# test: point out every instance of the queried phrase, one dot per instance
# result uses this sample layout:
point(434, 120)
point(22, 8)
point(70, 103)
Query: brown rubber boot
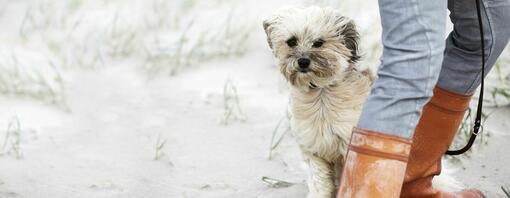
point(434, 133)
point(375, 165)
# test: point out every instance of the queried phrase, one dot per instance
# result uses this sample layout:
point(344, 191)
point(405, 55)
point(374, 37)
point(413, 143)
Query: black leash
point(478, 119)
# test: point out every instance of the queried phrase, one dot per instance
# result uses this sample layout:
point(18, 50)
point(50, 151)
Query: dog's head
point(312, 44)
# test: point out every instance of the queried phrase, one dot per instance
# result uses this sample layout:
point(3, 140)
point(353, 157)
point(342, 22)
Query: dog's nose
point(303, 63)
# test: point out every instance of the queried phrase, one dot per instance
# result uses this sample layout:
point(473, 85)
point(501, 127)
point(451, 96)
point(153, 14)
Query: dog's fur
point(326, 100)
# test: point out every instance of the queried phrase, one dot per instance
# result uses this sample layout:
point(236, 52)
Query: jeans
point(416, 57)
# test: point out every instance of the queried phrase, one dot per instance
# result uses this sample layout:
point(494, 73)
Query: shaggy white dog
point(317, 51)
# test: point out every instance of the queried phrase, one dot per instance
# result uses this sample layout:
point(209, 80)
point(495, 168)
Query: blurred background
point(179, 98)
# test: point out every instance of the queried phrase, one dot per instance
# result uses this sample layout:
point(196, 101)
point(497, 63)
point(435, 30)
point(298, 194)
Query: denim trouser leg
point(461, 68)
point(413, 39)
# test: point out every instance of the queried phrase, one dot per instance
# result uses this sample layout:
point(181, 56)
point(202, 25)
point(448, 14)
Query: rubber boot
point(375, 165)
point(434, 133)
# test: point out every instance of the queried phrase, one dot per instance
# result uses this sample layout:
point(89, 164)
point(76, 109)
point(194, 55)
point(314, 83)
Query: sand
point(104, 144)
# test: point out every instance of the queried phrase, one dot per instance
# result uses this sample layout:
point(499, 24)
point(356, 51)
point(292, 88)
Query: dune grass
point(276, 183)
point(507, 193)
point(158, 36)
point(12, 139)
point(279, 132)
point(28, 79)
point(231, 104)
point(158, 151)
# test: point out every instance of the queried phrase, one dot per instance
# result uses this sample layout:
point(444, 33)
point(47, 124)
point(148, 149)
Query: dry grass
point(157, 35)
point(28, 79)
point(194, 45)
point(507, 193)
point(280, 131)
point(276, 183)
point(500, 88)
point(160, 144)
point(12, 139)
point(231, 104)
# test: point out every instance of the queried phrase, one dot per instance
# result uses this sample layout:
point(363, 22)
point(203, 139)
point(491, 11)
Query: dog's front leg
point(320, 177)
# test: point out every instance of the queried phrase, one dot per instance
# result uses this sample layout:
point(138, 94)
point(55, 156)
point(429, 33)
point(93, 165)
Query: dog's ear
point(347, 31)
point(268, 28)
point(272, 23)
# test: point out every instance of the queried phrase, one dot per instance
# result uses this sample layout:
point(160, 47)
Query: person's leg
point(461, 68)
point(437, 126)
point(460, 76)
point(413, 39)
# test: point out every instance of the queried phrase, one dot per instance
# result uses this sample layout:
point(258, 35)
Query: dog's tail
point(446, 181)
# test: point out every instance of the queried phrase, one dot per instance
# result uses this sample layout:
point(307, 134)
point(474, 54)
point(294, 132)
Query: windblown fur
point(327, 97)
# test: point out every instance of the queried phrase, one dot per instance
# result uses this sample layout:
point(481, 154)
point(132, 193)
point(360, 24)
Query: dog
point(317, 52)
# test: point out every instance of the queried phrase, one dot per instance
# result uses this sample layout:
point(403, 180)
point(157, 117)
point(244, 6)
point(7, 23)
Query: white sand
point(105, 145)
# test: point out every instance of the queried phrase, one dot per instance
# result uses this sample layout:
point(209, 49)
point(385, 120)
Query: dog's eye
point(292, 42)
point(318, 43)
